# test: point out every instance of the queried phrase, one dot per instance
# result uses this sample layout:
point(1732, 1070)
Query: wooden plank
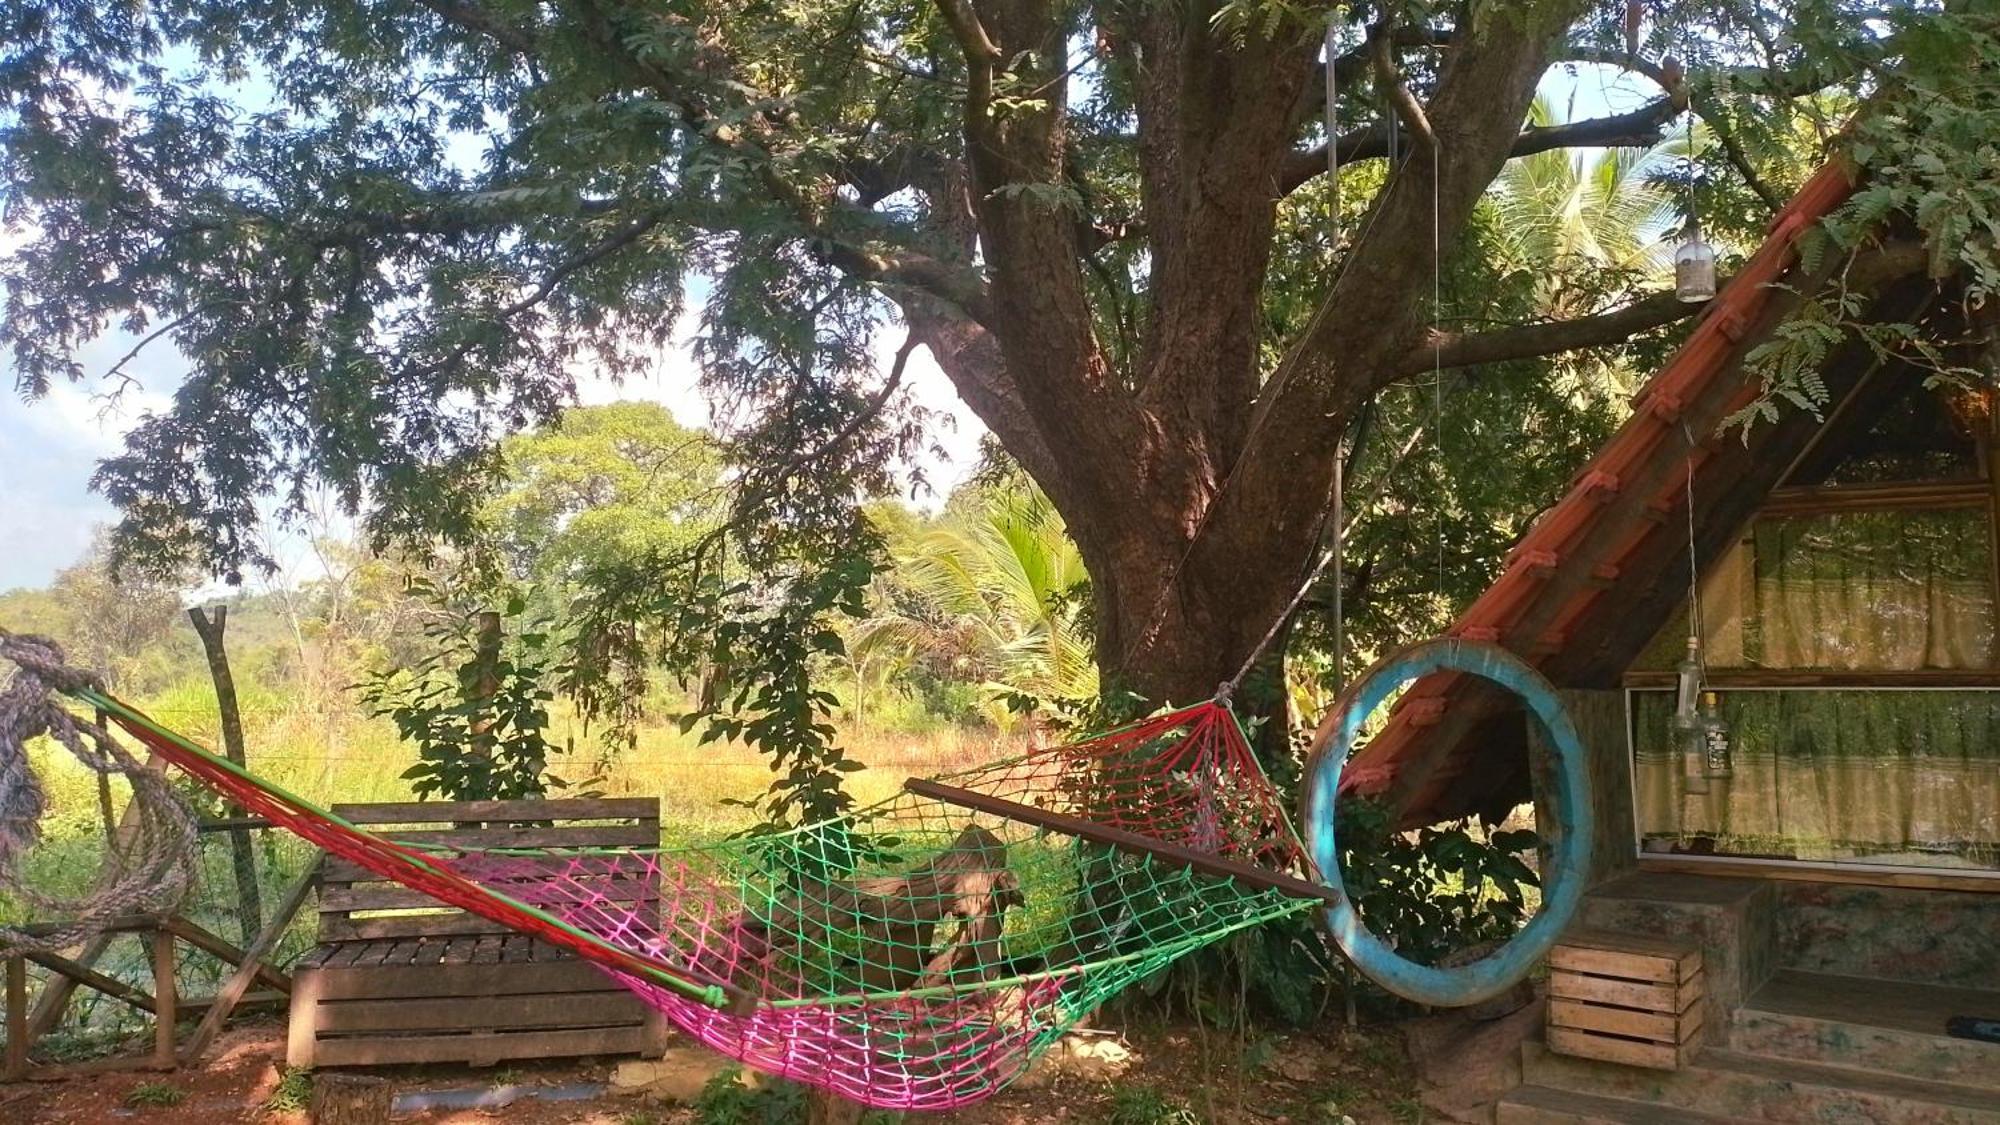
point(1647, 967)
point(1625, 994)
point(451, 812)
point(1975, 882)
point(607, 836)
point(394, 927)
point(610, 1007)
point(479, 1049)
point(1130, 842)
point(394, 896)
point(16, 1065)
point(459, 951)
point(623, 860)
point(234, 989)
point(574, 974)
point(1660, 1027)
point(165, 1009)
point(1609, 1048)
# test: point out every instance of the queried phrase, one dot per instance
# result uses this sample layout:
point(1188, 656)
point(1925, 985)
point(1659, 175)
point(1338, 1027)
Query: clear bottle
point(1688, 722)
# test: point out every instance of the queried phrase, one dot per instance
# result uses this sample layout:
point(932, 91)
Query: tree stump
point(349, 1099)
point(823, 1108)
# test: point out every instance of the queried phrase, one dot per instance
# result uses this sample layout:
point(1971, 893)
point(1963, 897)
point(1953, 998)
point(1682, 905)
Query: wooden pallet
point(1625, 999)
point(398, 978)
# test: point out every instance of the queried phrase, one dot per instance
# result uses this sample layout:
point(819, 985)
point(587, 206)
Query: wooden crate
point(1625, 999)
point(399, 978)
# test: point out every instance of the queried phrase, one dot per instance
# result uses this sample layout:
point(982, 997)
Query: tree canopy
point(386, 233)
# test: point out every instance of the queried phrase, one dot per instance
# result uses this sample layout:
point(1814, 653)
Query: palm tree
point(1586, 225)
point(991, 595)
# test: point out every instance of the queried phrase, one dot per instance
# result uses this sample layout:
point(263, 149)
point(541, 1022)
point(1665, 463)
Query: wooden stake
point(165, 1008)
point(249, 898)
point(16, 1066)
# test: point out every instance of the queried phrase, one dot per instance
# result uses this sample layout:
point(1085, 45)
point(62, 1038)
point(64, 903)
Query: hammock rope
point(148, 867)
point(916, 954)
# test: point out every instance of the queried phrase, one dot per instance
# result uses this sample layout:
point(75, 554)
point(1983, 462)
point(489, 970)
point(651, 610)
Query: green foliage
point(992, 594)
point(603, 483)
point(155, 1095)
point(726, 1100)
point(480, 724)
point(1141, 1104)
point(293, 1092)
point(1927, 139)
point(1438, 890)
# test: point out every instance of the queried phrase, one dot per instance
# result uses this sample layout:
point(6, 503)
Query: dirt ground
point(1133, 1075)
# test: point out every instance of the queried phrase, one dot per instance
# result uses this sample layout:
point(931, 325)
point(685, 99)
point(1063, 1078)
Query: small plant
point(155, 1095)
point(1148, 1105)
point(293, 1093)
point(725, 1100)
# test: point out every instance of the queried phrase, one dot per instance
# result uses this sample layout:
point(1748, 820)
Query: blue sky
point(48, 449)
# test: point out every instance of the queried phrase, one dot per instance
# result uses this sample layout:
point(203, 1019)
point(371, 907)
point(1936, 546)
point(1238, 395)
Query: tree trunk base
point(349, 1099)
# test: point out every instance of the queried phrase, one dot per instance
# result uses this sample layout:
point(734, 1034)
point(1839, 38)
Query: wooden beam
point(1124, 841)
point(16, 1066)
point(186, 930)
point(253, 957)
point(85, 975)
point(1853, 874)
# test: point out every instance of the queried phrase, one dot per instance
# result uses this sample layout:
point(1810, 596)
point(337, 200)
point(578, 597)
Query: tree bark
point(243, 859)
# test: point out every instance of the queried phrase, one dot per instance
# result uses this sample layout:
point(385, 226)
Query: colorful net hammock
point(917, 954)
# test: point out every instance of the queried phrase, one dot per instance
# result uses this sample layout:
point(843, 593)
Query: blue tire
point(1562, 885)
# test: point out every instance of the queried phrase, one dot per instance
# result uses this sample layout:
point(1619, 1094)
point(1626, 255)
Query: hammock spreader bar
point(1132, 842)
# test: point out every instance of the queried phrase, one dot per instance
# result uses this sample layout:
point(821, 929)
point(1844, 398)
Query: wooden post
point(16, 1066)
point(486, 651)
point(165, 1008)
point(249, 898)
point(349, 1099)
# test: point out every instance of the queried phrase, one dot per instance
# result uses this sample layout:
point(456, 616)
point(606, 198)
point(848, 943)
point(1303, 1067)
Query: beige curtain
point(1872, 591)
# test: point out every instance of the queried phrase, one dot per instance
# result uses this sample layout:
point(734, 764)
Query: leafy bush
point(480, 727)
point(1438, 889)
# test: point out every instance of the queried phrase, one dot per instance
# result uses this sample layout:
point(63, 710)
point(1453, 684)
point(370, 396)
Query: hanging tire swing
point(1562, 884)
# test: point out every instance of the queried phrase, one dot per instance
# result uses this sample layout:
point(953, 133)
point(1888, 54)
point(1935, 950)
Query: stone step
point(1890, 1027)
point(1543, 1105)
point(1744, 1087)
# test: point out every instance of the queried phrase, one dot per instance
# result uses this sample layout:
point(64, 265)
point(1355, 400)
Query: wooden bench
point(399, 978)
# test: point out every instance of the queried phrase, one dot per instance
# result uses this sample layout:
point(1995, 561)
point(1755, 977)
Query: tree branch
point(1871, 268)
point(1638, 128)
point(1405, 104)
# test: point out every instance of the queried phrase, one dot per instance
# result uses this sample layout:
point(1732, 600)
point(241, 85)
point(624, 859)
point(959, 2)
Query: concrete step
point(1543, 1105)
point(1888, 1027)
point(1744, 1087)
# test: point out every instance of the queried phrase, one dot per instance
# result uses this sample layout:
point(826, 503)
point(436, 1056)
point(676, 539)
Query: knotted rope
point(149, 864)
